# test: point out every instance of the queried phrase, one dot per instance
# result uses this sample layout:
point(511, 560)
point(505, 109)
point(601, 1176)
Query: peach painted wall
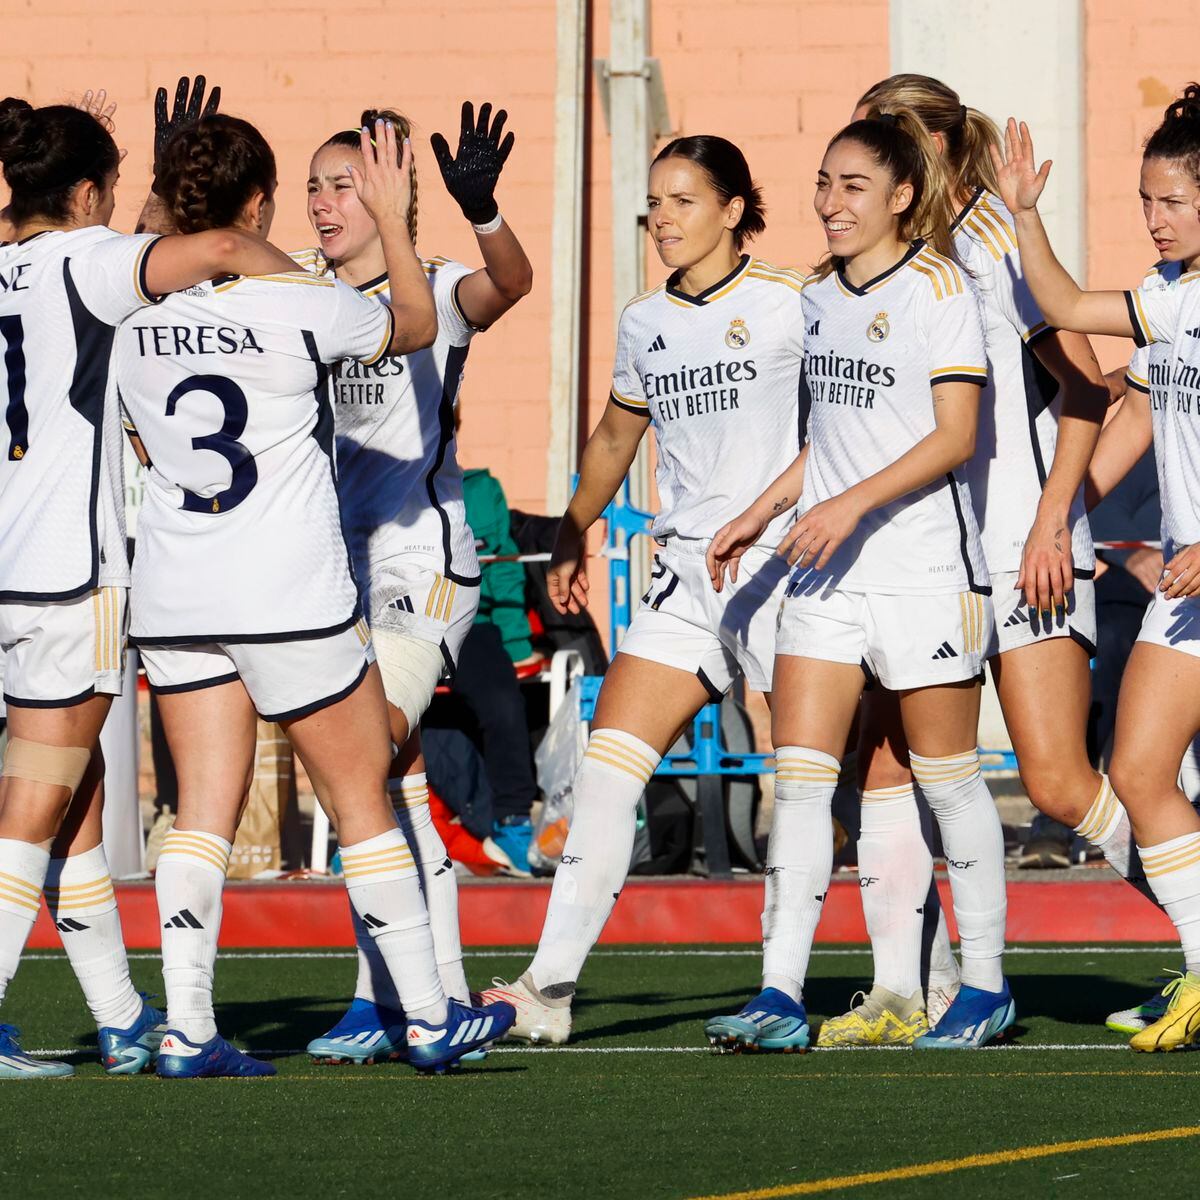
point(1137, 61)
point(776, 77)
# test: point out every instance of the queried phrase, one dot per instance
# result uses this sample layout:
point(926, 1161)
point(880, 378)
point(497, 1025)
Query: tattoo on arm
point(779, 504)
point(1058, 539)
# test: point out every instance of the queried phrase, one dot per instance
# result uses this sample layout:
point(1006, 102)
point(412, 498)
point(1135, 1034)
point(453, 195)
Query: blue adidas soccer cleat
point(367, 1033)
point(435, 1049)
point(772, 1021)
point(179, 1058)
point(16, 1064)
point(973, 1020)
point(132, 1051)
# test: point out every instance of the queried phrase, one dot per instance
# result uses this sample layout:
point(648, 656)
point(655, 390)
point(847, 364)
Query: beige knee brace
point(39, 763)
point(410, 668)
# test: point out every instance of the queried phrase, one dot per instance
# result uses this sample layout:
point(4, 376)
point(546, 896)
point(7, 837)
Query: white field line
point(818, 952)
point(271, 1052)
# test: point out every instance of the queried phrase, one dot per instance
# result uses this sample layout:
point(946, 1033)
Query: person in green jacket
point(485, 679)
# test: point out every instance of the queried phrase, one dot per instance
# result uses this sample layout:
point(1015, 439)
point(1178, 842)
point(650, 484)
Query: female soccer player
point(67, 282)
point(400, 488)
point(1040, 416)
point(711, 358)
point(890, 582)
point(243, 597)
point(1151, 736)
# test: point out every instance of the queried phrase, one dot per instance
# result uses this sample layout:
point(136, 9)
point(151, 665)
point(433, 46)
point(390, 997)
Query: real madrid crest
point(878, 328)
point(737, 336)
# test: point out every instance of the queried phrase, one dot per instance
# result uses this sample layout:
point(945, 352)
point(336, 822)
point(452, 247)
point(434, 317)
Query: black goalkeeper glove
point(186, 112)
point(471, 177)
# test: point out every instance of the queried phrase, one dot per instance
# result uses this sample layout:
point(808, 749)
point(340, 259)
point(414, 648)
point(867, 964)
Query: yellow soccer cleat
point(1180, 1024)
point(880, 1019)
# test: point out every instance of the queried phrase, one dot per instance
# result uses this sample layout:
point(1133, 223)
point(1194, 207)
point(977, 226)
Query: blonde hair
point(967, 132)
point(900, 143)
point(350, 139)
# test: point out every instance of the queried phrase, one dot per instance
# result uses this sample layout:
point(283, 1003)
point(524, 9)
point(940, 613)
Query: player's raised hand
point(566, 577)
point(384, 185)
point(95, 104)
point(1020, 180)
point(187, 110)
point(472, 174)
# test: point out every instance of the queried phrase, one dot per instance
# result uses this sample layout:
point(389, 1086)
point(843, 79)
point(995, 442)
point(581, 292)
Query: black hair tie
point(888, 118)
point(962, 114)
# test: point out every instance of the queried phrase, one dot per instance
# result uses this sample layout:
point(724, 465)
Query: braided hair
point(211, 169)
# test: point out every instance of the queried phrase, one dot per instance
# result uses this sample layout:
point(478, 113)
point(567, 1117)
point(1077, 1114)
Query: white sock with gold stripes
point(1106, 826)
point(410, 795)
point(22, 872)
point(82, 904)
point(895, 869)
point(595, 860)
point(799, 864)
point(188, 883)
point(1173, 871)
point(973, 840)
point(385, 890)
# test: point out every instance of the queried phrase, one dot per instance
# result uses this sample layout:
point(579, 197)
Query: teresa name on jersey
point(164, 340)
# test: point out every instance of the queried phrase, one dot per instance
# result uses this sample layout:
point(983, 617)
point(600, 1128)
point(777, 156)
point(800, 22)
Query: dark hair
point(1178, 136)
point(210, 169)
point(728, 172)
point(46, 152)
point(899, 143)
point(968, 134)
point(351, 139)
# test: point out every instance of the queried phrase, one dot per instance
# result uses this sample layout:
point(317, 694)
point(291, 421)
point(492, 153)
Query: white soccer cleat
point(541, 1019)
point(938, 999)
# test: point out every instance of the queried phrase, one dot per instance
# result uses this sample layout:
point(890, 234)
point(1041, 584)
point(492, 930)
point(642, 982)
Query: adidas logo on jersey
point(1018, 617)
point(814, 330)
point(183, 919)
point(657, 344)
point(1194, 332)
point(69, 925)
point(945, 650)
point(372, 922)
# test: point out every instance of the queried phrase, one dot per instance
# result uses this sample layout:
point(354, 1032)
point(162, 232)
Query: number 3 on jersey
point(15, 413)
point(243, 471)
point(663, 581)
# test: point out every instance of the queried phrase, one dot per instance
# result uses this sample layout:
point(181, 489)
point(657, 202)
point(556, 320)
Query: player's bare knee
point(1061, 790)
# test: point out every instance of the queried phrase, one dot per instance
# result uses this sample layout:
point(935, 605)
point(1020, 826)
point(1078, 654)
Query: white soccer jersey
point(398, 475)
point(1020, 405)
point(718, 375)
point(62, 507)
point(1165, 312)
point(872, 355)
point(227, 384)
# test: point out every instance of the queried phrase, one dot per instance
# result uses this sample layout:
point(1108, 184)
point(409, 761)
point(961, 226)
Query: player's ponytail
point(1178, 137)
point(966, 133)
point(210, 170)
point(902, 146)
point(46, 153)
point(351, 140)
point(729, 173)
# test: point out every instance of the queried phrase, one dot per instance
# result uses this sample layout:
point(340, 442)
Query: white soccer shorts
point(285, 680)
point(61, 653)
point(1172, 623)
point(1019, 625)
point(904, 641)
point(422, 603)
point(682, 623)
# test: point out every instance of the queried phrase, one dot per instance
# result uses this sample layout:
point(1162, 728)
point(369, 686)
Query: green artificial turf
point(628, 1121)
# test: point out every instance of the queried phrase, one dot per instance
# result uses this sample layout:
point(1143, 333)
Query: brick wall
point(1137, 62)
point(777, 78)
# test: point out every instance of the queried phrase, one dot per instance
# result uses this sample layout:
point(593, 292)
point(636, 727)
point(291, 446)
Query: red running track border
point(501, 913)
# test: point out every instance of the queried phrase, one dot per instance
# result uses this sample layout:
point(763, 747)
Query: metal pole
point(629, 126)
point(566, 240)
